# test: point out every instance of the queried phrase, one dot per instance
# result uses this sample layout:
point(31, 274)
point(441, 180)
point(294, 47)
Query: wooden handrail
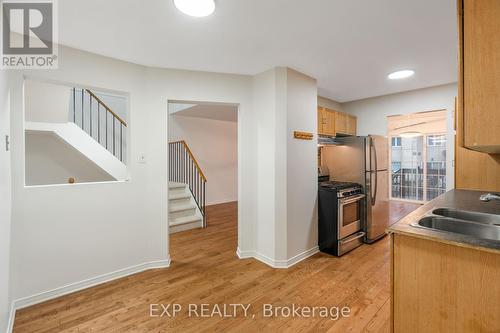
point(193, 158)
point(106, 107)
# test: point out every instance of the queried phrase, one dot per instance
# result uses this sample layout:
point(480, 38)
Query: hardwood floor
point(399, 209)
point(205, 269)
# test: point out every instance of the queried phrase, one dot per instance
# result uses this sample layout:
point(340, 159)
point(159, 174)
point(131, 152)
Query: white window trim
point(424, 159)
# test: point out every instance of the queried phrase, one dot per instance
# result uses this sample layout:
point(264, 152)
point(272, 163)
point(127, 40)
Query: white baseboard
point(220, 202)
point(74, 287)
point(277, 263)
point(244, 254)
point(301, 256)
point(12, 317)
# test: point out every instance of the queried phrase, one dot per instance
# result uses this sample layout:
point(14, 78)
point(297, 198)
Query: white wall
point(264, 94)
point(50, 160)
point(5, 203)
point(302, 174)
point(214, 144)
point(122, 224)
point(116, 103)
point(372, 114)
point(329, 103)
point(286, 101)
point(46, 102)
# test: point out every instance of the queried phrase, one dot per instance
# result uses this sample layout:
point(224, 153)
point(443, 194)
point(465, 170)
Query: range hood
point(328, 141)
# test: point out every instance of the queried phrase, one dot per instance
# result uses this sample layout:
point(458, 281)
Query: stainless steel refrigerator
point(363, 160)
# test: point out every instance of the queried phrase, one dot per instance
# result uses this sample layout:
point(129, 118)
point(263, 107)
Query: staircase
point(184, 213)
point(187, 185)
point(95, 118)
point(89, 127)
point(74, 137)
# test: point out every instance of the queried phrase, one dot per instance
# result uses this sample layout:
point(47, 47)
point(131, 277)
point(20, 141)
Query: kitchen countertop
point(456, 199)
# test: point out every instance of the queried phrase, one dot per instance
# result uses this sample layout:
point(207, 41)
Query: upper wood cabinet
point(479, 21)
point(352, 123)
point(326, 122)
point(341, 122)
point(345, 123)
point(477, 114)
point(332, 122)
point(320, 120)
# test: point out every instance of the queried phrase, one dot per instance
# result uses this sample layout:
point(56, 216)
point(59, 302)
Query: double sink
point(477, 225)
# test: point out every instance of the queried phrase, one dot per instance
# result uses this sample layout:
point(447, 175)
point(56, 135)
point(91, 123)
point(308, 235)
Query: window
point(418, 171)
point(396, 142)
point(436, 140)
point(436, 166)
point(407, 169)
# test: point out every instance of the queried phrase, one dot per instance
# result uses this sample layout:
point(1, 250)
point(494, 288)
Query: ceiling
point(348, 45)
point(224, 112)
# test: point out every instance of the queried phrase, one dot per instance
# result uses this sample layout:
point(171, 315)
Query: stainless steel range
point(341, 217)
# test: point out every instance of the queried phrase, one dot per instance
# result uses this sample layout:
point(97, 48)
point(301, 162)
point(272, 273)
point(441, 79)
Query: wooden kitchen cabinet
point(341, 122)
point(480, 80)
point(331, 122)
point(345, 123)
point(439, 287)
point(351, 124)
point(326, 122)
point(477, 114)
point(320, 120)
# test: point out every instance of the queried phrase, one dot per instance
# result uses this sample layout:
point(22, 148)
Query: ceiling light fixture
point(401, 74)
point(196, 8)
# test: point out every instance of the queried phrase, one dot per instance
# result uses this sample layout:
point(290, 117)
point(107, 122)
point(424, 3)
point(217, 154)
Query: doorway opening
point(202, 168)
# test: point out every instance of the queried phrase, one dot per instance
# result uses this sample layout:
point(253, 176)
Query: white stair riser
point(189, 217)
point(176, 185)
point(185, 220)
point(181, 201)
point(182, 213)
point(179, 195)
point(184, 227)
point(176, 191)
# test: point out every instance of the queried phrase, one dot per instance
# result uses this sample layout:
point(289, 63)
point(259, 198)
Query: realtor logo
point(29, 34)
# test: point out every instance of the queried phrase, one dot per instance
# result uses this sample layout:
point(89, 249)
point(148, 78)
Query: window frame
point(424, 159)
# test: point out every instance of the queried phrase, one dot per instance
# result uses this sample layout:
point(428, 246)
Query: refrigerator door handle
point(375, 186)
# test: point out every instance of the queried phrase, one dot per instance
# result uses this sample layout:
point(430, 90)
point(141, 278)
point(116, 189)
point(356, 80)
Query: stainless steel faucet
point(489, 197)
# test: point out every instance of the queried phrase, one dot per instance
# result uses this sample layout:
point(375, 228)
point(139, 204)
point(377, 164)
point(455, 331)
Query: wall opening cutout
point(74, 134)
point(203, 165)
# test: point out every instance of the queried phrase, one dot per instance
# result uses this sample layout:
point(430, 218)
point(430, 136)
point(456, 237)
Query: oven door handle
point(345, 201)
point(352, 238)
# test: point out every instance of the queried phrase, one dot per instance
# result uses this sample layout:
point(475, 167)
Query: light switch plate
point(142, 158)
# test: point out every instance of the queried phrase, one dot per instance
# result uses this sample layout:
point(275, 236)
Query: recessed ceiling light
point(401, 74)
point(196, 8)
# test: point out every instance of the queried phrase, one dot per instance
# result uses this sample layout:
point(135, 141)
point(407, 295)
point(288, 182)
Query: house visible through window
point(436, 166)
point(407, 169)
point(396, 142)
